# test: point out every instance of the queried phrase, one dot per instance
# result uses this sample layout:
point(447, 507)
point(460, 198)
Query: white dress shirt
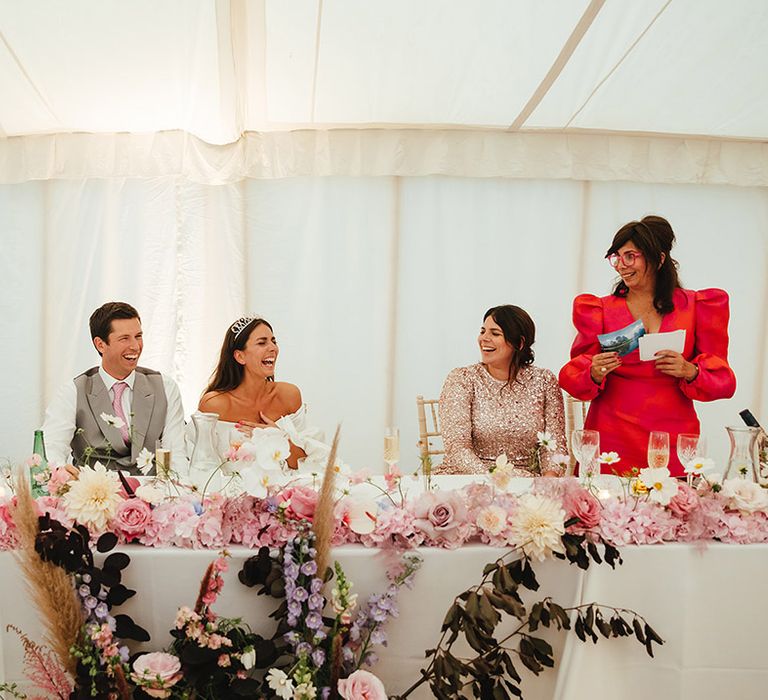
point(59, 426)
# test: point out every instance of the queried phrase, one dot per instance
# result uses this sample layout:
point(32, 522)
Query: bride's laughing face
point(260, 352)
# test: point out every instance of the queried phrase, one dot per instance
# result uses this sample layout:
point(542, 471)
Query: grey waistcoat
point(147, 420)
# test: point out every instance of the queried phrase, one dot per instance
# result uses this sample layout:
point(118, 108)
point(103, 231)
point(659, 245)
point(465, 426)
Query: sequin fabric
point(482, 418)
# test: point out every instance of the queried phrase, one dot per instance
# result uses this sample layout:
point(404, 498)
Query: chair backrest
point(575, 415)
point(429, 428)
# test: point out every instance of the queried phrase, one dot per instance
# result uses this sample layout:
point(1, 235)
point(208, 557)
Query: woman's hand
point(603, 364)
point(675, 365)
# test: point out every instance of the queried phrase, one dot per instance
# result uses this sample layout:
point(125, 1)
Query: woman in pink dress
point(630, 398)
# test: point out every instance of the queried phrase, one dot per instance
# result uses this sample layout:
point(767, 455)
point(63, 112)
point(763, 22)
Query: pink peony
point(156, 673)
point(442, 517)
point(581, 504)
point(300, 502)
point(362, 685)
point(131, 519)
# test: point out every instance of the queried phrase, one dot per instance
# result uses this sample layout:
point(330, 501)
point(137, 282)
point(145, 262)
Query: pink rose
point(300, 501)
point(439, 515)
point(156, 673)
point(132, 518)
point(581, 504)
point(684, 502)
point(362, 685)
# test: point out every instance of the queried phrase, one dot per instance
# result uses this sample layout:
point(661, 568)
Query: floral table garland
point(559, 517)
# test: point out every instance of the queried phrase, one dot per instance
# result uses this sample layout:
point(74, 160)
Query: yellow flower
point(93, 497)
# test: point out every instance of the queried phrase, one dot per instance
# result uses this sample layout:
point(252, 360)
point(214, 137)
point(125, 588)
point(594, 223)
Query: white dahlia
point(93, 497)
point(537, 526)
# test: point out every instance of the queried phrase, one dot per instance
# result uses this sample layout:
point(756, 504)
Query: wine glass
point(658, 449)
point(687, 447)
point(585, 445)
point(391, 447)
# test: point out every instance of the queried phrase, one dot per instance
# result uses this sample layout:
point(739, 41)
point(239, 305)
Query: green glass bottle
point(38, 449)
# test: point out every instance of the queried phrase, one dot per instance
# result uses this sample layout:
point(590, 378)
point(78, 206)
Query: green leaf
point(638, 631)
point(651, 633)
point(579, 629)
point(489, 617)
point(450, 617)
point(489, 567)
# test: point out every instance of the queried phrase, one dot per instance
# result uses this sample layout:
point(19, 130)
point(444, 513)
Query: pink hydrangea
point(173, 524)
point(394, 529)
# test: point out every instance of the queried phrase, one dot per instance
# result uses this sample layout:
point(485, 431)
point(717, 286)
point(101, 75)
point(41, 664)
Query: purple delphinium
point(304, 600)
point(366, 629)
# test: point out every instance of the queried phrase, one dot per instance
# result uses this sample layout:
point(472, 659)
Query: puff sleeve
point(575, 376)
point(715, 379)
point(456, 424)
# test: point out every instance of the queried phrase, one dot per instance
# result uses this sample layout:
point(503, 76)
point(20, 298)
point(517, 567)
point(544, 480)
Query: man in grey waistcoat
point(112, 412)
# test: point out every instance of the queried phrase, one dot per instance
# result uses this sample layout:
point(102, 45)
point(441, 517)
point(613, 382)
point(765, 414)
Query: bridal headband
point(242, 323)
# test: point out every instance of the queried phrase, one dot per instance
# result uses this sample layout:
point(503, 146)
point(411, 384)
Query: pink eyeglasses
point(627, 258)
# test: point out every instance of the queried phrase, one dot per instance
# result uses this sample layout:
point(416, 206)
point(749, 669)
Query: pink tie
point(117, 404)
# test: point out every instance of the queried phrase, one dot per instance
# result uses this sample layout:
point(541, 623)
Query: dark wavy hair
point(519, 331)
point(654, 238)
point(229, 372)
point(100, 322)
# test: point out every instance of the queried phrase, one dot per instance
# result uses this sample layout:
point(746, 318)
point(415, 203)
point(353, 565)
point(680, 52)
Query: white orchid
point(114, 421)
point(360, 513)
point(272, 449)
point(660, 484)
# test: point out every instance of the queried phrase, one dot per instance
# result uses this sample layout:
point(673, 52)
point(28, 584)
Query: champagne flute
point(687, 447)
point(658, 449)
point(391, 447)
point(585, 445)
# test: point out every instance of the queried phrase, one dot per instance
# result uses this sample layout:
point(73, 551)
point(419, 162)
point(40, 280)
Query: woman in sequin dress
point(631, 397)
point(500, 404)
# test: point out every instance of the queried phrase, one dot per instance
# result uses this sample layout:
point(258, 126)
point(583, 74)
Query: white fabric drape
point(375, 286)
point(386, 152)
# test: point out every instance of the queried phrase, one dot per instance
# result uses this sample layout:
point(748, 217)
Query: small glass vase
point(205, 457)
point(742, 461)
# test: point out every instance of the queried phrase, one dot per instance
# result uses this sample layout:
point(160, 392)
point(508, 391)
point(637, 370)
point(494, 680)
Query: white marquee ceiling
point(219, 69)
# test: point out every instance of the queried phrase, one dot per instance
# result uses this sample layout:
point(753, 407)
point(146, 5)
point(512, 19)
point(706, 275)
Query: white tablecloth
point(707, 603)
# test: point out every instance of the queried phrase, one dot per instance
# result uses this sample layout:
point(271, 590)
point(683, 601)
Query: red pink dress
point(636, 398)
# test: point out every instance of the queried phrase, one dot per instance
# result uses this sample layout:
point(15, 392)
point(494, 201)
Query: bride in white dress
point(246, 397)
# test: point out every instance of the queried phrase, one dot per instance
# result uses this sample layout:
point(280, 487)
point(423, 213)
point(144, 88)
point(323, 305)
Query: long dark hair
point(654, 237)
point(519, 331)
point(229, 372)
